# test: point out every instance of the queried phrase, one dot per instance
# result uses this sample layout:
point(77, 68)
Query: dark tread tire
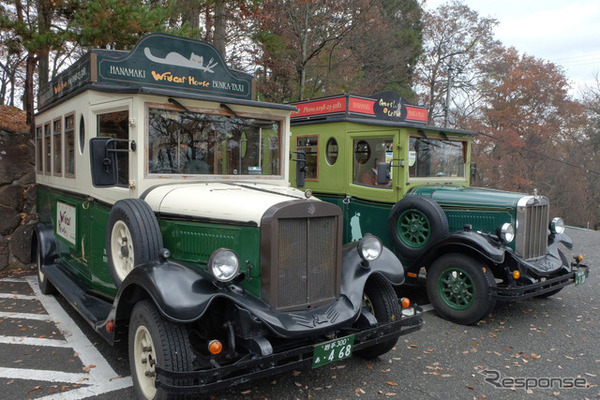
point(414, 224)
point(458, 287)
point(170, 345)
point(46, 287)
point(134, 219)
point(383, 303)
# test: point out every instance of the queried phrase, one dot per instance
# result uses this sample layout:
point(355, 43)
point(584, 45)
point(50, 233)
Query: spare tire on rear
point(415, 223)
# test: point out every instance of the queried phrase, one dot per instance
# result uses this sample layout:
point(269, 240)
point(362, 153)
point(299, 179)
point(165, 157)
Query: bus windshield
point(193, 143)
point(431, 157)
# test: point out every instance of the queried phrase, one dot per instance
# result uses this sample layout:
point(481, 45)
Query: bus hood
point(462, 197)
point(226, 202)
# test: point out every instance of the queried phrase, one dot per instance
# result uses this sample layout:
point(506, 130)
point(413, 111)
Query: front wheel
point(381, 300)
point(154, 340)
point(459, 288)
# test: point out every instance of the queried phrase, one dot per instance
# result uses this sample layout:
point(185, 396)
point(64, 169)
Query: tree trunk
point(30, 64)
point(220, 38)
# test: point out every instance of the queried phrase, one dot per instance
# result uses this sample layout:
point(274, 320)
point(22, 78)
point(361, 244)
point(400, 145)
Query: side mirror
point(384, 173)
point(103, 161)
point(473, 171)
point(300, 168)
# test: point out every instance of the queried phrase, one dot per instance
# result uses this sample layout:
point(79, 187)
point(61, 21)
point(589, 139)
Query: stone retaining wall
point(17, 190)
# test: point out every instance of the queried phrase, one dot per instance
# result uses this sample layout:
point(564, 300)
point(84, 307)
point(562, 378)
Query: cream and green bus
point(167, 220)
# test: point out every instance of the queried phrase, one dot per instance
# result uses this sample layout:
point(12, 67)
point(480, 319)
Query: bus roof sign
point(159, 61)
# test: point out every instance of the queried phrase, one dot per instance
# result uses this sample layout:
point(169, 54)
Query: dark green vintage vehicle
point(167, 220)
point(408, 183)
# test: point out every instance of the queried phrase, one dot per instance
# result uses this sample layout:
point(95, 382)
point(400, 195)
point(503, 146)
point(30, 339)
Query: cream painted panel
point(219, 200)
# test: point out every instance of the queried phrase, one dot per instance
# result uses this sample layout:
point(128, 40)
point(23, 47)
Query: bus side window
point(116, 125)
point(310, 146)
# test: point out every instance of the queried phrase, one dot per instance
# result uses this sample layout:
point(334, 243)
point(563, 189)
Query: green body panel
point(85, 254)
point(194, 242)
point(362, 217)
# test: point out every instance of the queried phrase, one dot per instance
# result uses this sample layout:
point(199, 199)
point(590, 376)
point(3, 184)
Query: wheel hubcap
point(122, 249)
point(456, 289)
point(413, 228)
point(145, 360)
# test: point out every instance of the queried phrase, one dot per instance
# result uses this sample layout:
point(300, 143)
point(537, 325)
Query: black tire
point(132, 237)
point(415, 223)
point(458, 287)
point(381, 300)
point(156, 340)
point(46, 287)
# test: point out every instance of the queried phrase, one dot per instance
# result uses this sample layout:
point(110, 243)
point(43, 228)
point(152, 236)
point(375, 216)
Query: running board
point(92, 308)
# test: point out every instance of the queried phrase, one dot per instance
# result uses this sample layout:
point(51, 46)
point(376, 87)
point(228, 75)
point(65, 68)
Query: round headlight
point(557, 225)
point(369, 247)
point(224, 264)
point(507, 233)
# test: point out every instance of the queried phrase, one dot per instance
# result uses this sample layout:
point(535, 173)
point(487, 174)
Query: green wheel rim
point(413, 228)
point(456, 288)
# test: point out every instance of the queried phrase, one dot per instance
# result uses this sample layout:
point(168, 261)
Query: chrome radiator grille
point(306, 261)
point(533, 217)
point(301, 267)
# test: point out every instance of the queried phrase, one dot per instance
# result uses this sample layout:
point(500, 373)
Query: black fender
point(43, 236)
point(355, 275)
point(562, 238)
point(466, 241)
point(183, 294)
point(554, 263)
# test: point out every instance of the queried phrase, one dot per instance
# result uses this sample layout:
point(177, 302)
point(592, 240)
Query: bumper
point(256, 366)
point(576, 276)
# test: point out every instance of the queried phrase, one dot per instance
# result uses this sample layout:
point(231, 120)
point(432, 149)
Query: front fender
point(355, 276)
point(182, 294)
point(464, 242)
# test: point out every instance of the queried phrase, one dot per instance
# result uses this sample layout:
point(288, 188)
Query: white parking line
point(101, 377)
point(45, 375)
point(37, 317)
point(33, 341)
point(16, 296)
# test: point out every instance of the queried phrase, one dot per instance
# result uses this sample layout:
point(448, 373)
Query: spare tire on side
point(415, 223)
point(132, 237)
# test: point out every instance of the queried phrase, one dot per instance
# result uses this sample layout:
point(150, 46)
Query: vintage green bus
point(167, 220)
point(409, 184)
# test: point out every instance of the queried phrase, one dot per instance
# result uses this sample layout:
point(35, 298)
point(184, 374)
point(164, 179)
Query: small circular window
point(81, 134)
point(362, 153)
point(331, 151)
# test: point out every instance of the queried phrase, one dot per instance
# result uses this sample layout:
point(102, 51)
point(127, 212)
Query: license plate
point(334, 350)
point(579, 277)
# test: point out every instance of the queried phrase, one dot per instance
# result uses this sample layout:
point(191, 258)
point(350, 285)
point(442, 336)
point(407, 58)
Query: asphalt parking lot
point(540, 348)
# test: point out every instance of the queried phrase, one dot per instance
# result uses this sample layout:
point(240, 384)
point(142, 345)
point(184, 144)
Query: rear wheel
point(458, 287)
point(154, 340)
point(381, 300)
point(46, 287)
